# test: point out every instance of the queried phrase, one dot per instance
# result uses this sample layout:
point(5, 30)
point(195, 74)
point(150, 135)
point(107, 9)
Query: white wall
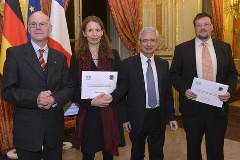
point(188, 9)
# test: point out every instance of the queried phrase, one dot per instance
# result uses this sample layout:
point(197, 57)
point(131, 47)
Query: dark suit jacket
point(23, 80)
point(131, 82)
point(183, 70)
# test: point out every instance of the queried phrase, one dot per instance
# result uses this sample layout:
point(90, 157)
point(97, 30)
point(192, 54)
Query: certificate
point(96, 82)
point(208, 91)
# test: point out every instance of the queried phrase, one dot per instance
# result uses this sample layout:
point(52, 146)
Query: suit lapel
point(32, 59)
point(139, 71)
point(219, 54)
point(159, 69)
point(52, 63)
point(192, 53)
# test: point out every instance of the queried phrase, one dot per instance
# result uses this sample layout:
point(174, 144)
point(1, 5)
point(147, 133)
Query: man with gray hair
point(144, 80)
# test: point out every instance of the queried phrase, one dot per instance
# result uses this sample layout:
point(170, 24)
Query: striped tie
point(41, 60)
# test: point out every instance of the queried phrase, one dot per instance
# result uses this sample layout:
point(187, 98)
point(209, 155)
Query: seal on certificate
point(220, 88)
point(111, 77)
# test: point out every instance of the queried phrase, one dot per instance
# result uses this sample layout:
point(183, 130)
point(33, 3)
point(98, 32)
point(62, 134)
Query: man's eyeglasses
point(206, 25)
point(41, 25)
point(145, 41)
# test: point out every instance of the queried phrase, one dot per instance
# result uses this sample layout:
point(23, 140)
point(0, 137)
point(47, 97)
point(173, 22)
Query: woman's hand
point(102, 100)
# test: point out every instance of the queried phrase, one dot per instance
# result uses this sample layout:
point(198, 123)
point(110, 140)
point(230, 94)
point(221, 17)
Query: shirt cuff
point(54, 105)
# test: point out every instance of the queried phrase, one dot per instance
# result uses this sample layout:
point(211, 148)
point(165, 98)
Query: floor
point(175, 143)
point(174, 149)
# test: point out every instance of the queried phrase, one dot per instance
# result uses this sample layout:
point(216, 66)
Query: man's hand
point(45, 100)
point(173, 125)
point(50, 103)
point(127, 127)
point(190, 94)
point(224, 97)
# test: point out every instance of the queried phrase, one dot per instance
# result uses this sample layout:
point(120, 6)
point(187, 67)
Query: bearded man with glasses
point(211, 60)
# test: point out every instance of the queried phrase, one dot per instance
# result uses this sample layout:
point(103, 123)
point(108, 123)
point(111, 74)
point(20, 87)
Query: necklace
point(94, 54)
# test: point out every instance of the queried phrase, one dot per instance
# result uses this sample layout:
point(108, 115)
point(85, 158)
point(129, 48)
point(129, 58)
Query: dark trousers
point(46, 154)
point(106, 156)
point(154, 133)
point(214, 127)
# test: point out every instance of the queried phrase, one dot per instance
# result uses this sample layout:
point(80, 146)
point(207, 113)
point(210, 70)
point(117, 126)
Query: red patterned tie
point(207, 66)
point(41, 60)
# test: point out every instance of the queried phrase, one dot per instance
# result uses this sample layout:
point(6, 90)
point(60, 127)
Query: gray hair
point(148, 30)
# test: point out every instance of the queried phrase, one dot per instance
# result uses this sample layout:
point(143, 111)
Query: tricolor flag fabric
point(13, 32)
point(59, 38)
point(33, 6)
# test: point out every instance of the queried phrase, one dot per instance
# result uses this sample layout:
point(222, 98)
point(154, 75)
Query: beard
point(203, 36)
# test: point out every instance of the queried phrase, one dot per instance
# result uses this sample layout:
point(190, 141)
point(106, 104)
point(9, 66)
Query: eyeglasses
point(145, 41)
point(34, 25)
point(206, 25)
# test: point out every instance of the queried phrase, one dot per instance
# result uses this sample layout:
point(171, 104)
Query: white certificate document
point(208, 91)
point(96, 82)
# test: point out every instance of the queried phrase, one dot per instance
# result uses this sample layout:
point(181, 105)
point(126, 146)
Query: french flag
point(59, 38)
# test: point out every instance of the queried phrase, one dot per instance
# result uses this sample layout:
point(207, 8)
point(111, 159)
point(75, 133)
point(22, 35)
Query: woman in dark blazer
point(97, 127)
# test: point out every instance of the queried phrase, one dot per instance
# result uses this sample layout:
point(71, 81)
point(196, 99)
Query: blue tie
point(152, 100)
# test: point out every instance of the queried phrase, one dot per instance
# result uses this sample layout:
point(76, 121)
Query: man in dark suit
point(142, 119)
point(38, 93)
point(199, 118)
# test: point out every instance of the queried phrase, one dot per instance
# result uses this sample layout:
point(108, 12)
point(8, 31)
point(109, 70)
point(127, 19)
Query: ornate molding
point(2, 8)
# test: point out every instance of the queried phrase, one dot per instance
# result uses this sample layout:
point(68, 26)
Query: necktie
point(41, 60)
point(207, 67)
point(152, 100)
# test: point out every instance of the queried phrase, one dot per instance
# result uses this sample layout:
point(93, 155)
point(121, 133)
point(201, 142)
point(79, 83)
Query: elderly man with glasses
point(36, 81)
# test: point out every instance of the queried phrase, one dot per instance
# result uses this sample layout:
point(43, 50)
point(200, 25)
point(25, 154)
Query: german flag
point(13, 32)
